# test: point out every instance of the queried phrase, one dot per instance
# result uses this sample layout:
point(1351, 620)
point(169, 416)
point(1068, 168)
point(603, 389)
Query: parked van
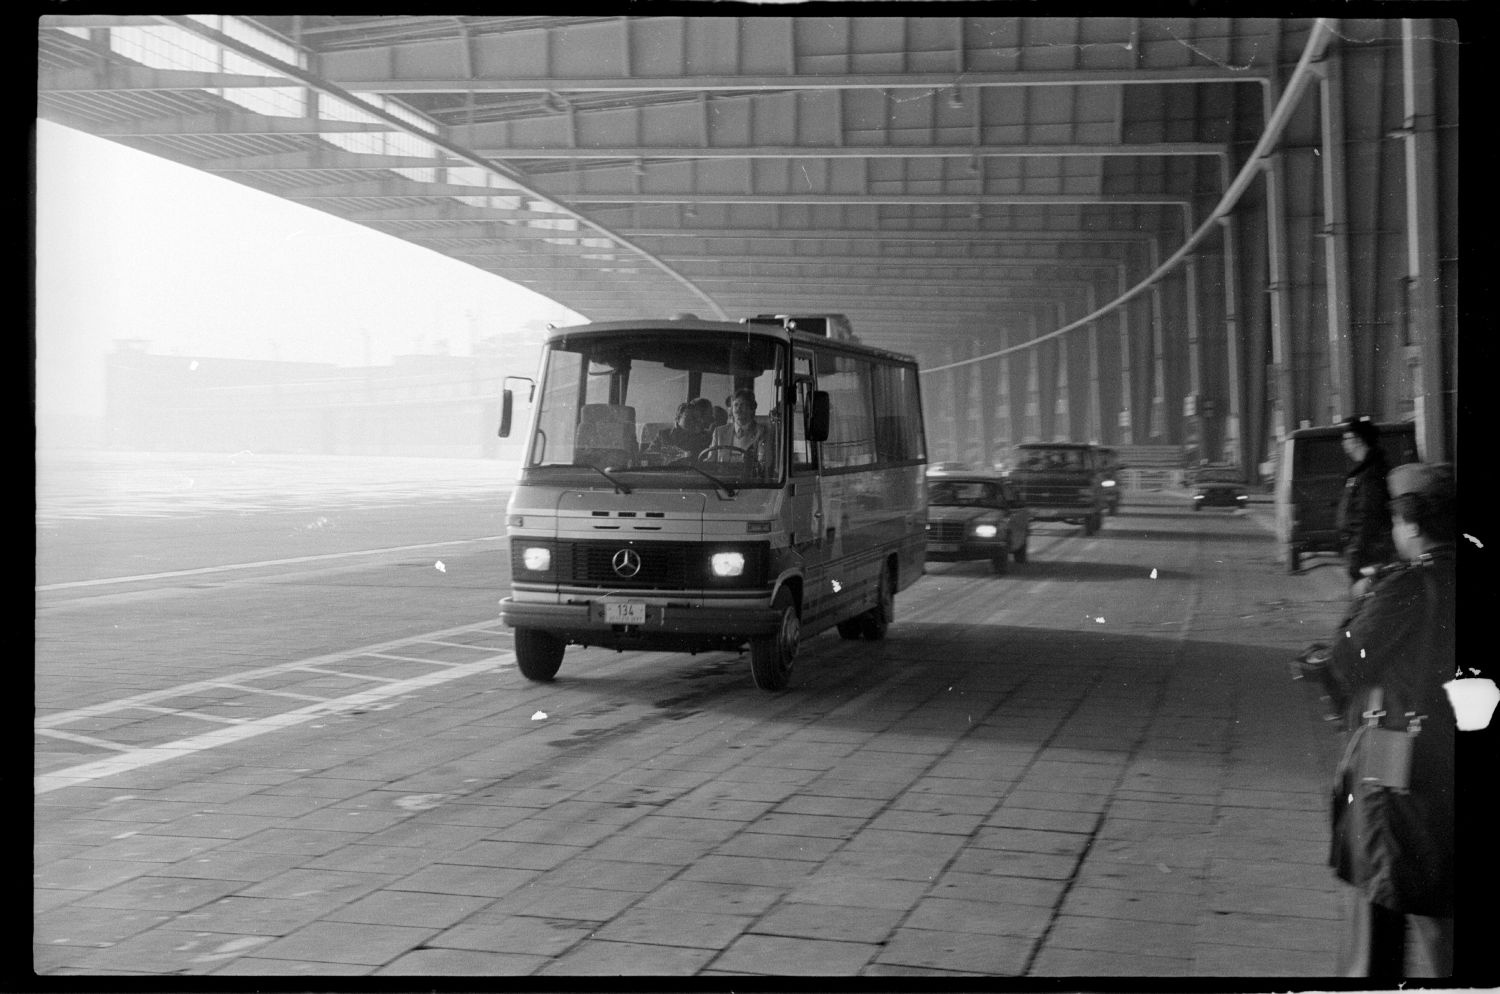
point(1310, 483)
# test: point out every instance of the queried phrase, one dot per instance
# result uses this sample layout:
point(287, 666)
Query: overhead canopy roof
point(916, 173)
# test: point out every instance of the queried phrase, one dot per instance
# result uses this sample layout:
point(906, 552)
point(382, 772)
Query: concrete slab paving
point(1002, 788)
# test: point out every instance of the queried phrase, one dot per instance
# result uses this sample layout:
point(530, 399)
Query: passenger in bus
point(689, 436)
point(743, 439)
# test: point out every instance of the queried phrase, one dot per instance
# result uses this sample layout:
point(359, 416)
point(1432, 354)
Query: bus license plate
point(625, 613)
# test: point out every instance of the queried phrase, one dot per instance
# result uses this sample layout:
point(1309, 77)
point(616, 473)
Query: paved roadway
point(279, 731)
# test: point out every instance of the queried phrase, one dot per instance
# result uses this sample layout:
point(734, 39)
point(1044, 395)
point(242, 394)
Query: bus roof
point(689, 322)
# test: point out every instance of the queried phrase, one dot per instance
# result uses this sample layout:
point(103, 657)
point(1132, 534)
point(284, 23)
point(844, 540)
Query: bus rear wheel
point(874, 623)
point(538, 654)
point(771, 656)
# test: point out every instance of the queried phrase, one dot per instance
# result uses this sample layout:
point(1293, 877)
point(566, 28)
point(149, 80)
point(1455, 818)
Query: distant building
point(420, 405)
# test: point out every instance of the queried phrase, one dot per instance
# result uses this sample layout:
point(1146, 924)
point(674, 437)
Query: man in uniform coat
point(1393, 794)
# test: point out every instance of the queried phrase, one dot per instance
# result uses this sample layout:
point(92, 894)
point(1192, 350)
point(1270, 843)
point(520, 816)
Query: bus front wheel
point(771, 656)
point(538, 654)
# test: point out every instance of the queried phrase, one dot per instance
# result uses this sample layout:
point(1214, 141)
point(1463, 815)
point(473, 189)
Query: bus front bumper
point(585, 622)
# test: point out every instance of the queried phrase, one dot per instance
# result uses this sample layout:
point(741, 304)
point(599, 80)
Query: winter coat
point(1364, 518)
point(1397, 846)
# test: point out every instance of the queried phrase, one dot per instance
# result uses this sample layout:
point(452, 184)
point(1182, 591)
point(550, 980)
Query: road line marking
point(351, 676)
point(415, 659)
point(75, 584)
point(84, 739)
point(273, 693)
point(190, 714)
point(460, 645)
point(134, 759)
point(187, 689)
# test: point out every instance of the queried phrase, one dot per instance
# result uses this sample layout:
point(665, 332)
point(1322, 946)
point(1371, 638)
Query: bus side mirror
point(817, 419)
point(507, 405)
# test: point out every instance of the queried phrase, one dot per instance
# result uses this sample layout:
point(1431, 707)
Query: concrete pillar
point(1157, 432)
point(1234, 449)
point(1340, 400)
point(1422, 222)
point(1128, 416)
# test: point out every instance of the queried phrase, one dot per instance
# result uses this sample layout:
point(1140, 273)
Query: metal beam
point(864, 199)
point(929, 151)
point(846, 81)
point(116, 78)
point(235, 123)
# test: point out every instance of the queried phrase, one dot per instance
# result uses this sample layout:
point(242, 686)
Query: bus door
point(805, 491)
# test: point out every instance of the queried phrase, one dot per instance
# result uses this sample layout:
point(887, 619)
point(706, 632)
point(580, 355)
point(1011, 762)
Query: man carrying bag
point(1393, 807)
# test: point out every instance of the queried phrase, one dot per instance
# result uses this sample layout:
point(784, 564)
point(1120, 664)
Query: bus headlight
point(986, 531)
point(727, 563)
point(538, 559)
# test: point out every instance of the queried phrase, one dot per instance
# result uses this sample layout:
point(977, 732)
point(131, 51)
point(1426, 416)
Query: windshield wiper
point(620, 488)
point(674, 467)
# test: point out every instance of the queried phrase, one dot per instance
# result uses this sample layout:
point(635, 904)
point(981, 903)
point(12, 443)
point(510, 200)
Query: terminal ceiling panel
point(920, 174)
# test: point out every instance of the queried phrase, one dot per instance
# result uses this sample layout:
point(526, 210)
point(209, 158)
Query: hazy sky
point(133, 246)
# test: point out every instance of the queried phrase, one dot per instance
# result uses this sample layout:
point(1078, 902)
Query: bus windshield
point(658, 406)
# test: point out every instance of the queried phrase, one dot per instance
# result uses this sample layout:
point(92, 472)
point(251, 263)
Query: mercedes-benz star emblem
point(627, 563)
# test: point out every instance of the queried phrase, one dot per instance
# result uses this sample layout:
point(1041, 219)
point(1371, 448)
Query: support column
point(1062, 403)
point(1194, 346)
point(1340, 401)
point(1158, 429)
point(1422, 222)
point(1283, 413)
point(949, 406)
point(1093, 428)
point(1128, 414)
point(1034, 422)
point(984, 373)
point(1234, 450)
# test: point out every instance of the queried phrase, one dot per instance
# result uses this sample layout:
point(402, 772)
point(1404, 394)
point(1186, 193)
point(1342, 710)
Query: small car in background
point(975, 515)
point(1219, 487)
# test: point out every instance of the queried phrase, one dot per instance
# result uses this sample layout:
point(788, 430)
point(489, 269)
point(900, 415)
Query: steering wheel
point(715, 448)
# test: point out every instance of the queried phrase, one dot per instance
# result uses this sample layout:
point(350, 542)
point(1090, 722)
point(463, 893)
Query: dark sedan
point(1219, 488)
point(975, 516)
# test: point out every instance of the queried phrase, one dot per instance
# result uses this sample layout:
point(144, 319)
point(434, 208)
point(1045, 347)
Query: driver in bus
point(743, 439)
point(689, 436)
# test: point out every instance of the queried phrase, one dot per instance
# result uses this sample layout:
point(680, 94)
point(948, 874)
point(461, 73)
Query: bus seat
point(606, 435)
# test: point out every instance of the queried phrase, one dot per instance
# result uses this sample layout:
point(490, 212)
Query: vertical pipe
point(1035, 421)
point(950, 406)
point(1234, 450)
point(1422, 235)
point(984, 373)
point(1094, 430)
point(1195, 351)
point(1158, 427)
point(1129, 416)
point(1336, 237)
point(1283, 411)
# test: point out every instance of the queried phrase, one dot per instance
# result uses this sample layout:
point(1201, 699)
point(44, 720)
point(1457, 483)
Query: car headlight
point(1197, 496)
point(1241, 497)
point(1109, 483)
point(986, 531)
point(538, 559)
point(727, 563)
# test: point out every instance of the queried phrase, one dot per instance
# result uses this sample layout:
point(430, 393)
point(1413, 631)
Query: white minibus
point(622, 540)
